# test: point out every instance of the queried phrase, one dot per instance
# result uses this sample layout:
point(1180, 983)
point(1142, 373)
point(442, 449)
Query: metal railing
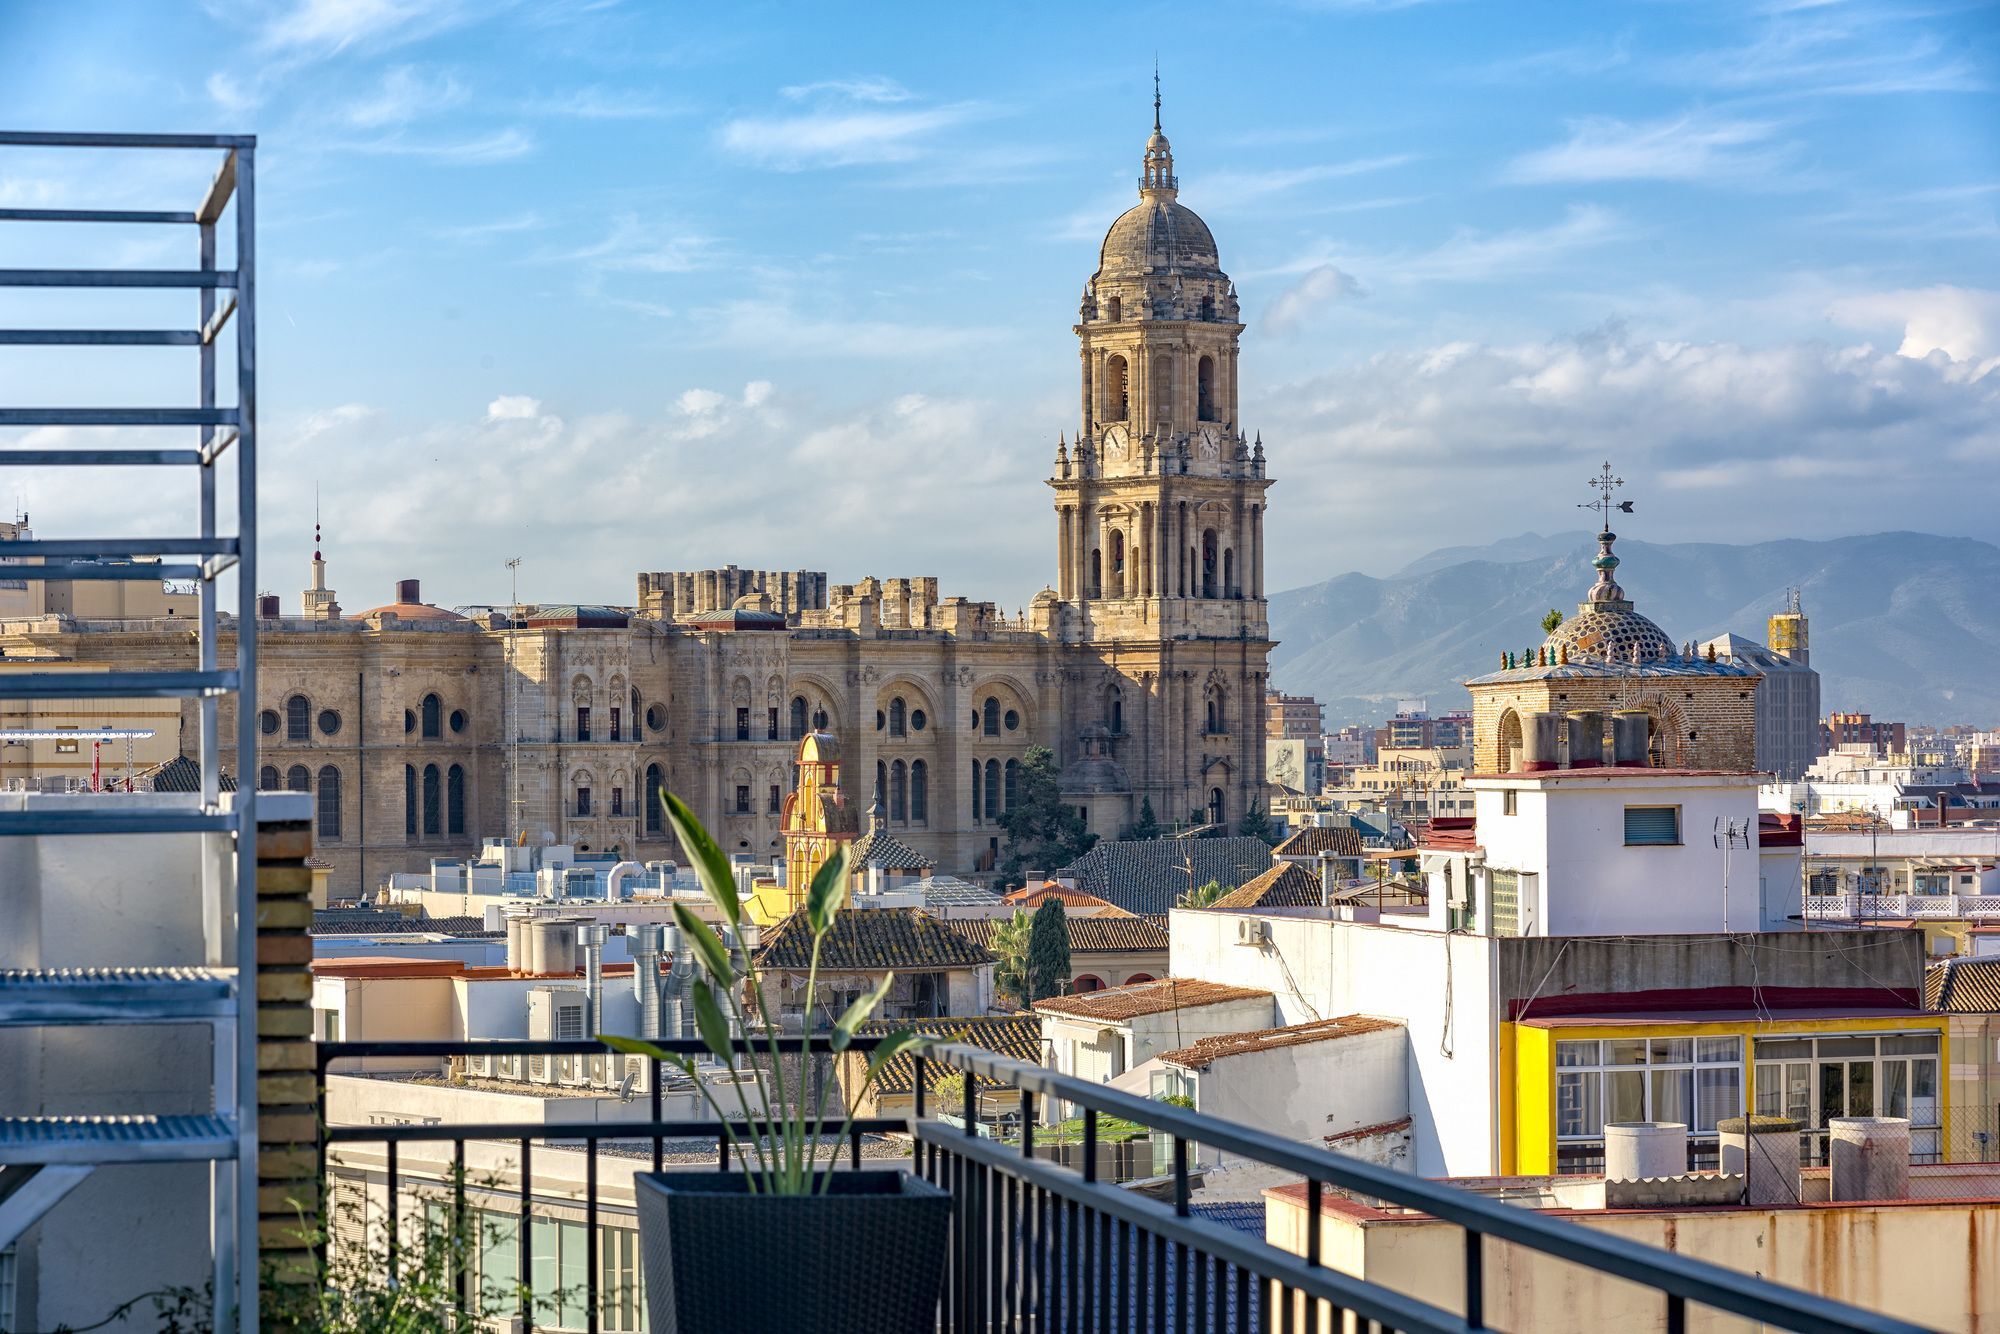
point(1857, 907)
point(1037, 1245)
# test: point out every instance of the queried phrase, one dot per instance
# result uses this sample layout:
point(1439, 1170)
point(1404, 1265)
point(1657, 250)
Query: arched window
point(454, 800)
point(1114, 711)
point(433, 802)
point(1208, 307)
point(990, 714)
point(975, 790)
point(1214, 721)
point(899, 793)
point(1116, 390)
point(267, 779)
point(1216, 811)
point(329, 802)
point(298, 719)
point(1013, 781)
point(1117, 563)
point(798, 717)
point(1204, 389)
point(1208, 561)
point(992, 789)
point(920, 797)
point(1086, 982)
point(881, 782)
point(1162, 388)
point(1115, 309)
point(297, 779)
point(656, 787)
point(409, 801)
point(1137, 978)
point(898, 717)
point(433, 713)
point(1096, 580)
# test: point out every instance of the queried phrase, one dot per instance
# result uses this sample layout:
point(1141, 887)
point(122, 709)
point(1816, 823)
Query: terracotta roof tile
point(871, 939)
point(1069, 898)
point(1139, 998)
point(1335, 840)
point(1199, 1054)
point(1286, 885)
point(1087, 935)
point(1150, 875)
point(1018, 1036)
point(879, 847)
point(1963, 986)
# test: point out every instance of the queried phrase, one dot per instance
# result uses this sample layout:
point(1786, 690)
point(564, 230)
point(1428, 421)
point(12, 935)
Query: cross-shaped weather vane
point(1604, 483)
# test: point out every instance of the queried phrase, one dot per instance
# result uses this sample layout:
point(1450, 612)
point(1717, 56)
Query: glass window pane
point(1578, 1109)
point(1924, 1092)
point(1718, 1094)
point(1895, 1088)
point(1714, 1051)
point(1770, 1090)
point(542, 1256)
point(1625, 1095)
point(1861, 1088)
point(1673, 1096)
point(1850, 1046)
point(1832, 1091)
point(1774, 1049)
point(1625, 1051)
point(1798, 1091)
point(1910, 1044)
point(499, 1259)
point(575, 1280)
point(1673, 1051)
point(1576, 1053)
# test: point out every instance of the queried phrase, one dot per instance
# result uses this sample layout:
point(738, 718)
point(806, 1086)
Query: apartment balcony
point(1041, 1237)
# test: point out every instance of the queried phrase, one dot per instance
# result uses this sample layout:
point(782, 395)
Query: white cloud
point(329, 26)
point(1231, 188)
point(406, 92)
point(498, 146)
point(598, 103)
point(1318, 287)
point(1961, 322)
point(231, 95)
point(874, 88)
point(513, 407)
point(477, 231)
point(1826, 50)
point(640, 246)
point(841, 138)
point(695, 402)
point(1686, 148)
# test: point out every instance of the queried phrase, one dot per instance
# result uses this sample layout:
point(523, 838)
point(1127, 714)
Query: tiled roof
point(736, 619)
point(1137, 998)
point(1037, 895)
point(582, 617)
point(1963, 986)
point(871, 940)
point(1149, 875)
point(1014, 1035)
point(879, 847)
point(1334, 840)
point(948, 891)
point(1198, 1055)
point(1087, 935)
point(1286, 885)
point(183, 774)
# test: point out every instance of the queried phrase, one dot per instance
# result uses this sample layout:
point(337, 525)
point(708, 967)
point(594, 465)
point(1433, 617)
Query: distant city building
point(1788, 730)
point(1413, 728)
point(1350, 746)
point(1295, 745)
point(1858, 729)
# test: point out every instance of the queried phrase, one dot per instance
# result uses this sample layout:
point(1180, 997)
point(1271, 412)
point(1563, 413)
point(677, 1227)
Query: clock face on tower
point(1208, 444)
point(1117, 445)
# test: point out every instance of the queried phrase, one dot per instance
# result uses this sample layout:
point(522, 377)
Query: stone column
point(1062, 551)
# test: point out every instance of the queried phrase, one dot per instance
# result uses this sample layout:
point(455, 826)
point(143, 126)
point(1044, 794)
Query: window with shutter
point(1652, 826)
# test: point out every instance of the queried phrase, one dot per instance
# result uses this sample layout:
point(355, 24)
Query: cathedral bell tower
point(1160, 515)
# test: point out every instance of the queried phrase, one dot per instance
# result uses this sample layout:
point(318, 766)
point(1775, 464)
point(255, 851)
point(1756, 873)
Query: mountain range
point(1904, 626)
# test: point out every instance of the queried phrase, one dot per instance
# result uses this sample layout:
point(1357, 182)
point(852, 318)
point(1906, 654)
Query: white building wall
point(1440, 986)
point(1312, 1090)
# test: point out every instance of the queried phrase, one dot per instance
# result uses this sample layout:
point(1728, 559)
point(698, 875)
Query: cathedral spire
point(1157, 180)
point(1156, 95)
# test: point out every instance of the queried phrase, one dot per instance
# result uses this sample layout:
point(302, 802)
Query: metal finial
point(1604, 483)
point(1156, 94)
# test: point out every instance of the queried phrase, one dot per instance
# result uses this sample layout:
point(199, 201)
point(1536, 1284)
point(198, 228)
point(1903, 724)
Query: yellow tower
point(817, 820)
point(1787, 633)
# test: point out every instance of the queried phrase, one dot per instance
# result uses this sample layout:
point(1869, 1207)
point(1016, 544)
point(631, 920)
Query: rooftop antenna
point(514, 572)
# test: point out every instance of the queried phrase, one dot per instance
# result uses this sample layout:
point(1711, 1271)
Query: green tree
point(1256, 823)
point(1551, 621)
point(1148, 824)
point(1043, 830)
point(1010, 952)
point(1205, 895)
point(1048, 950)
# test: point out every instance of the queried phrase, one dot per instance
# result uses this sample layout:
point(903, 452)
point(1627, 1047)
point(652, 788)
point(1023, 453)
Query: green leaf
point(718, 878)
point(857, 1013)
point(829, 887)
point(635, 1047)
point(714, 1029)
point(708, 946)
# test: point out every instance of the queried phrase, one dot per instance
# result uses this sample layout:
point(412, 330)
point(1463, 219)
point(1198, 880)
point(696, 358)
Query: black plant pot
point(866, 1257)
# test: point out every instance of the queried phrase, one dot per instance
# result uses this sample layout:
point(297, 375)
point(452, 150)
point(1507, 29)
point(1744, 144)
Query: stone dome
point(1158, 235)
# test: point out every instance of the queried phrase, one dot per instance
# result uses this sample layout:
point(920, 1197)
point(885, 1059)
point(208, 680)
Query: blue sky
point(622, 286)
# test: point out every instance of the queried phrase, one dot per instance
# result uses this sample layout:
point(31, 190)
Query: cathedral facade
point(423, 730)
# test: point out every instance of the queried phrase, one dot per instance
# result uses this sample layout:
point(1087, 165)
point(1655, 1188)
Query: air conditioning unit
point(557, 1014)
point(1253, 931)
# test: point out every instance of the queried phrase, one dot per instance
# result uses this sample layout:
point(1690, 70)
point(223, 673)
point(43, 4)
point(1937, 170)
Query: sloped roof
point(880, 848)
point(871, 940)
point(1139, 998)
point(1333, 840)
point(1037, 895)
point(1149, 875)
point(948, 891)
point(183, 774)
point(1087, 935)
point(1198, 1055)
point(1286, 885)
point(1963, 986)
point(339, 922)
point(1018, 1036)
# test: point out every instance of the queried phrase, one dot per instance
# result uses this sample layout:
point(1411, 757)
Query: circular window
point(268, 721)
point(329, 722)
point(656, 718)
point(409, 721)
point(458, 720)
point(917, 720)
point(1012, 720)
point(881, 720)
point(975, 720)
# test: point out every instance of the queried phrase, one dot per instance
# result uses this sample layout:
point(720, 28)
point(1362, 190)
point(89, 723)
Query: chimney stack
point(267, 606)
point(1630, 732)
point(1538, 742)
point(409, 590)
point(1586, 739)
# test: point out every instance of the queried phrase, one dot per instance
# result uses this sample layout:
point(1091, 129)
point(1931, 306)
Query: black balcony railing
point(1041, 1246)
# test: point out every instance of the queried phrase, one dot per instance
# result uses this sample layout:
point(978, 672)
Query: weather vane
point(1604, 483)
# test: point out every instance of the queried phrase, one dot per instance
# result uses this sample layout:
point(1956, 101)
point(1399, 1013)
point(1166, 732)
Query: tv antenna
point(514, 572)
point(1729, 834)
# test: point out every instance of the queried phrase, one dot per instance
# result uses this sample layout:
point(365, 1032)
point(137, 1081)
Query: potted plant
point(787, 1243)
